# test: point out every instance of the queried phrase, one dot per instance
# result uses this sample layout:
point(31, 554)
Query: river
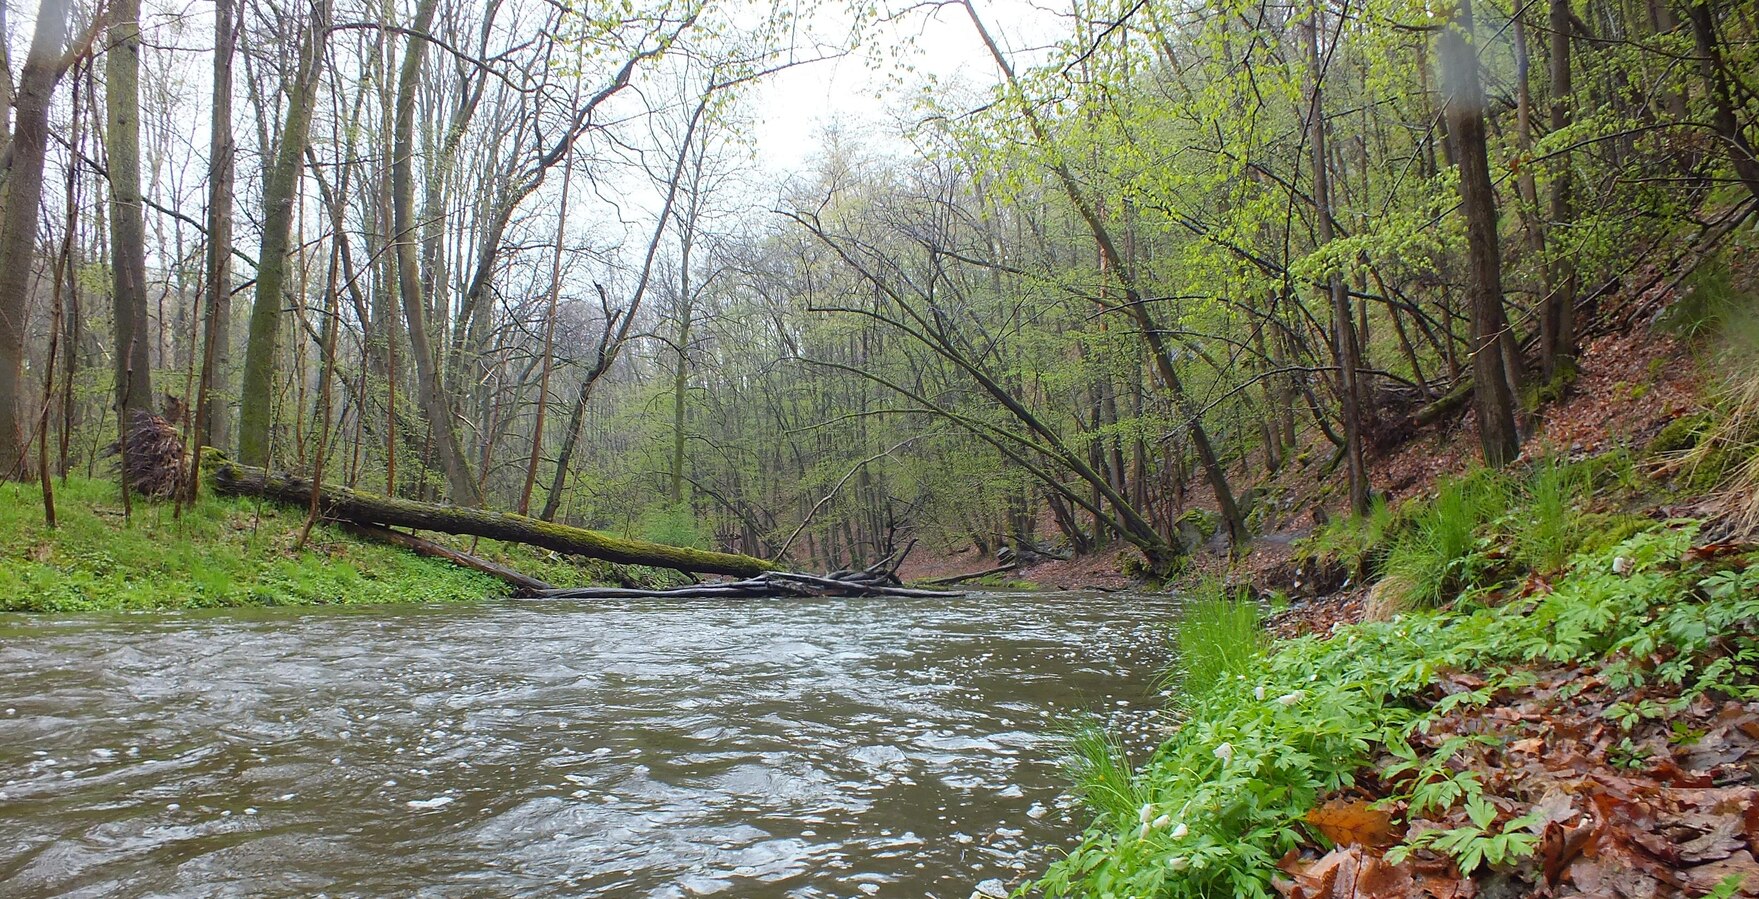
point(788, 748)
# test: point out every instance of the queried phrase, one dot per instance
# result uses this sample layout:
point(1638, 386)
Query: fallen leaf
point(1353, 823)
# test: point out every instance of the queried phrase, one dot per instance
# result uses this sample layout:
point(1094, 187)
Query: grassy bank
point(1440, 745)
point(220, 552)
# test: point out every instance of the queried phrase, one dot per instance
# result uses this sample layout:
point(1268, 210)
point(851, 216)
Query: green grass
point(1544, 528)
point(1224, 797)
point(220, 552)
point(1438, 552)
point(1219, 639)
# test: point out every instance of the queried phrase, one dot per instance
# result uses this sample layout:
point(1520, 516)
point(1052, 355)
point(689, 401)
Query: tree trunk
point(210, 411)
point(128, 265)
point(1720, 83)
point(453, 464)
point(369, 508)
point(1557, 343)
point(280, 189)
point(1465, 118)
point(1344, 348)
point(525, 584)
point(18, 225)
point(548, 361)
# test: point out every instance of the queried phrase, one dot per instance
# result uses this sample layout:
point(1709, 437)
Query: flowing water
point(652, 749)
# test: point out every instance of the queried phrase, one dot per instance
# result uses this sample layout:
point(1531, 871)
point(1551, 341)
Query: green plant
point(1478, 842)
point(1727, 454)
point(1358, 541)
point(1100, 771)
point(1439, 555)
point(1219, 637)
point(1543, 526)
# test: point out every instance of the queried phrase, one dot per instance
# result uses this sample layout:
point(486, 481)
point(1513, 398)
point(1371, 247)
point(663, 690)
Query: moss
point(1596, 531)
point(1205, 521)
point(1678, 435)
point(1544, 393)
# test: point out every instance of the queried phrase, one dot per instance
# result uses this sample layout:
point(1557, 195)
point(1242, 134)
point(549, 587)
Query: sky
point(869, 91)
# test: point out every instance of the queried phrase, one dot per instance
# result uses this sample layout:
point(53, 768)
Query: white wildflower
point(1225, 752)
point(1621, 566)
point(1289, 699)
point(1162, 821)
point(1178, 862)
point(1146, 814)
point(1180, 831)
point(1258, 694)
point(1143, 833)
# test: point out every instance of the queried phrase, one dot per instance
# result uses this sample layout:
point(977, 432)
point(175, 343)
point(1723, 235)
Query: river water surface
point(799, 748)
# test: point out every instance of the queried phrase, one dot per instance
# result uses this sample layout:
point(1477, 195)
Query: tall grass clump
point(1220, 638)
point(1728, 453)
point(1544, 527)
point(1100, 771)
point(1437, 554)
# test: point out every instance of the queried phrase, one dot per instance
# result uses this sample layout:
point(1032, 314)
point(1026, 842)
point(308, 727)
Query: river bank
point(220, 552)
point(1539, 681)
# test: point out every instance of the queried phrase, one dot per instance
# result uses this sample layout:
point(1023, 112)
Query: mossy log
point(344, 504)
point(1449, 403)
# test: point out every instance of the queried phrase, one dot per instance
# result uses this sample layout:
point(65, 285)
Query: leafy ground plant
point(1442, 735)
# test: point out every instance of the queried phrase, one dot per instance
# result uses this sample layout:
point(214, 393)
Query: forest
point(1382, 308)
point(1178, 251)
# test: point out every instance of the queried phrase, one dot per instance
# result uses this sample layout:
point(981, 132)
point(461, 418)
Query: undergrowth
point(219, 552)
point(1224, 797)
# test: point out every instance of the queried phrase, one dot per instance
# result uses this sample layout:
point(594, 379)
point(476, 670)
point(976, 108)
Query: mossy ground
point(221, 552)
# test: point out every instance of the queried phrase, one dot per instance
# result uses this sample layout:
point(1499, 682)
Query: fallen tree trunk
point(343, 504)
point(950, 580)
point(775, 583)
point(526, 584)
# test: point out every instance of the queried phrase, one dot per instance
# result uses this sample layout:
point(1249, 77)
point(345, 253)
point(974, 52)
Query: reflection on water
point(768, 748)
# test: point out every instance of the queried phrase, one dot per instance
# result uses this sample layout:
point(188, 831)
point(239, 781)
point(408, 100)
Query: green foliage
point(1219, 639)
point(1726, 457)
point(1707, 302)
point(1439, 553)
point(1100, 770)
point(1359, 542)
point(220, 552)
point(674, 525)
point(1544, 530)
point(1252, 757)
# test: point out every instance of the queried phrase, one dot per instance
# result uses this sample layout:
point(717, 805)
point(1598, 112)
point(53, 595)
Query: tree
point(1494, 394)
point(1557, 346)
point(128, 264)
point(210, 420)
point(22, 193)
point(1343, 321)
point(459, 478)
point(256, 415)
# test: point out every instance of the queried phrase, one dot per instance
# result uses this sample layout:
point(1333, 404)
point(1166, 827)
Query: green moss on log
point(346, 504)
